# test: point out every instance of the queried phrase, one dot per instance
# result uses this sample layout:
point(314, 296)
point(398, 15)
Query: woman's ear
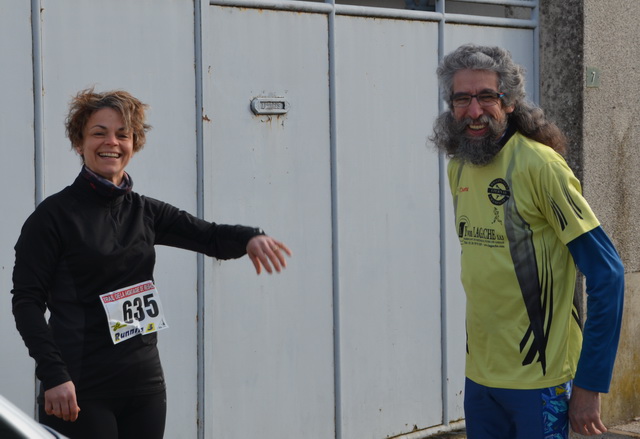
point(79, 150)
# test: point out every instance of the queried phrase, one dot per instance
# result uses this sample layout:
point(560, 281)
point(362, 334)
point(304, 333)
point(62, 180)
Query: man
point(523, 225)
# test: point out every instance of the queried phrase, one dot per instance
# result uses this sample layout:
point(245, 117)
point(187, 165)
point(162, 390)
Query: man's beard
point(478, 151)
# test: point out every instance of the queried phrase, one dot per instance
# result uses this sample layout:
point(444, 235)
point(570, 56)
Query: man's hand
point(584, 412)
point(264, 251)
point(61, 401)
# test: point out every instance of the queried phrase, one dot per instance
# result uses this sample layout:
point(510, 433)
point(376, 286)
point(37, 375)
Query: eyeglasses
point(485, 99)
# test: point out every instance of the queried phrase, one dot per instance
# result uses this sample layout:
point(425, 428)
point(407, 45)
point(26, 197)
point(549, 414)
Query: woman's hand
point(265, 251)
point(61, 401)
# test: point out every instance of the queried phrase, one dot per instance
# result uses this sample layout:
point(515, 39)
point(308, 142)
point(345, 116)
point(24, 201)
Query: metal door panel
point(388, 220)
point(16, 186)
point(147, 48)
point(269, 359)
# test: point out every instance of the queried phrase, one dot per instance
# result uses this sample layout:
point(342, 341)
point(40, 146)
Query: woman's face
point(107, 146)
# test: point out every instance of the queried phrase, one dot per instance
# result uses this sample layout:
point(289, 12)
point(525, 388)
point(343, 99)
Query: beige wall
point(612, 167)
point(611, 121)
point(604, 127)
point(622, 403)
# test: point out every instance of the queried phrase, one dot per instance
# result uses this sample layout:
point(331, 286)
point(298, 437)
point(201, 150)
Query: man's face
point(476, 82)
point(476, 128)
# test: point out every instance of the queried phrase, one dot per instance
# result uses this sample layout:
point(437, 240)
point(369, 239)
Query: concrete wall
point(578, 37)
point(561, 96)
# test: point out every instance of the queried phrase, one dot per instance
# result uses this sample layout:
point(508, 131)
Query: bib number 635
point(133, 310)
point(139, 307)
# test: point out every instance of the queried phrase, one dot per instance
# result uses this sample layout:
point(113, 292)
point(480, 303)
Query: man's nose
point(474, 110)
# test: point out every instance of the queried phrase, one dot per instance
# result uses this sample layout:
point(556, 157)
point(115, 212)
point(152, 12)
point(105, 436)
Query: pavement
point(630, 430)
point(626, 431)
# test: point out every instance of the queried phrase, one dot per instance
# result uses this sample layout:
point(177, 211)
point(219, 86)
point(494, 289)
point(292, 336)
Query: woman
point(87, 255)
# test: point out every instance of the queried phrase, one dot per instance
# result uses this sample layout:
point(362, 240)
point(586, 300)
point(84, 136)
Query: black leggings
point(116, 418)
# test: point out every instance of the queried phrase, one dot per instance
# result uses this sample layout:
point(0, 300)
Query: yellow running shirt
point(514, 218)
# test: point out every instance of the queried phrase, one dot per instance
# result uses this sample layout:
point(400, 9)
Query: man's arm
point(598, 260)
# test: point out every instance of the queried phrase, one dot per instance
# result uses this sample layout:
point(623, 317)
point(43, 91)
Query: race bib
point(133, 310)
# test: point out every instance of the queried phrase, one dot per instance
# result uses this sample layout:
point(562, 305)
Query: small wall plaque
point(593, 77)
point(269, 106)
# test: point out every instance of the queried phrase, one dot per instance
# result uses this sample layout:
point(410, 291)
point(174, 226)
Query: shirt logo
point(479, 235)
point(498, 191)
point(462, 226)
point(496, 216)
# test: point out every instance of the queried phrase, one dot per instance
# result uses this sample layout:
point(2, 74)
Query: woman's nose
point(112, 139)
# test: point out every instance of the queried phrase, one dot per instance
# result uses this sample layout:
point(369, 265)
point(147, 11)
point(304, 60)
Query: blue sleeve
point(598, 260)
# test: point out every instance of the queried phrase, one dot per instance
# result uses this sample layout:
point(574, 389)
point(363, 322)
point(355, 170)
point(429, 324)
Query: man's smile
point(477, 129)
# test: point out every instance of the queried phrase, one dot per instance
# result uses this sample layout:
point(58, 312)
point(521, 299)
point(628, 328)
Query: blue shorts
point(492, 413)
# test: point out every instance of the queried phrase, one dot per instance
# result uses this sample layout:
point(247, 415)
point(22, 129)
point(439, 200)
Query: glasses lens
point(461, 100)
point(487, 99)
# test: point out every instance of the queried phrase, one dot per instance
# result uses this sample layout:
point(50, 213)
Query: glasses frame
point(496, 95)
